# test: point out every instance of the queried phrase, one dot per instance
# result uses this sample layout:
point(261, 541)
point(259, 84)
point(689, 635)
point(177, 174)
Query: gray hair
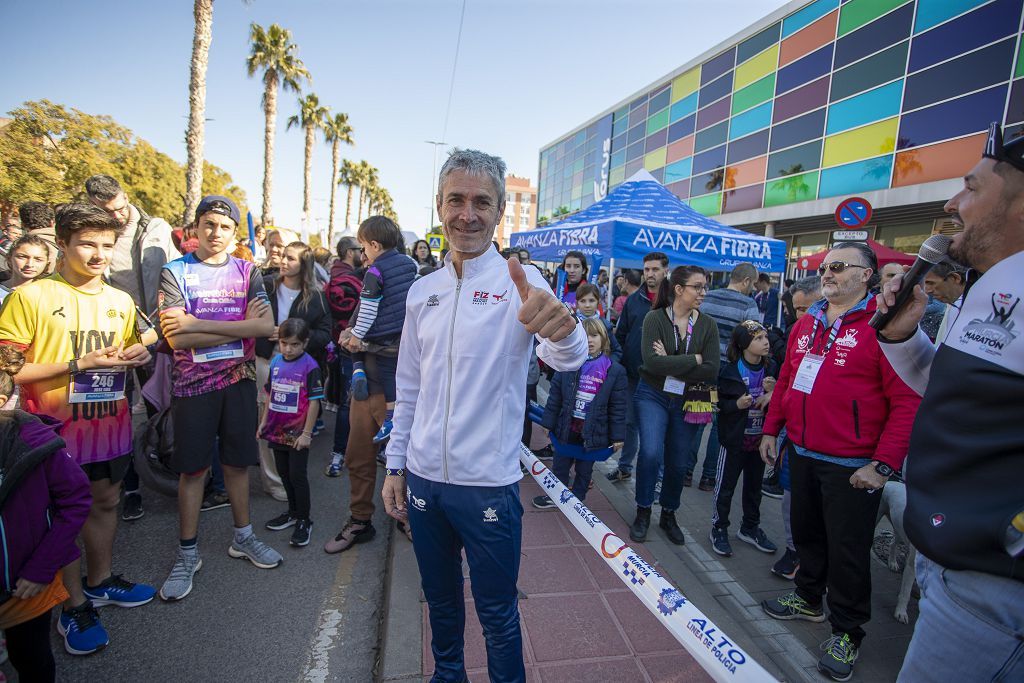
point(946, 267)
point(102, 188)
point(474, 162)
point(810, 285)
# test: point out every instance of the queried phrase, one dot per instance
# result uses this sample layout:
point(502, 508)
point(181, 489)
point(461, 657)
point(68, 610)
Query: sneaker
point(544, 453)
point(300, 537)
point(657, 487)
point(282, 521)
point(132, 509)
point(757, 539)
point(385, 432)
point(688, 481)
point(83, 633)
point(214, 500)
point(256, 551)
point(787, 565)
point(360, 387)
point(619, 475)
point(334, 467)
point(179, 581)
point(319, 427)
point(117, 591)
point(543, 502)
point(840, 654)
point(354, 531)
point(792, 606)
point(720, 541)
point(706, 484)
point(772, 489)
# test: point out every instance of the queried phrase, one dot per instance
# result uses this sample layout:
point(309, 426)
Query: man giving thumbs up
point(452, 462)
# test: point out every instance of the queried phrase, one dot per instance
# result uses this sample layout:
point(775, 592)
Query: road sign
point(850, 236)
point(436, 242)
point(853, 213)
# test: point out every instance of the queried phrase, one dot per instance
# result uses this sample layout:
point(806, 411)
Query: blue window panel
point(638, 102)
point(716, 90)
point(885, 66)
point(683, 108)
point(805, 69)
point(618, 142)
point(660, 101)
point(800, 129)
point(932, 12)
point(634, 166)
point(1015, 109)
point(636, 133)
point(973, 71)
point(860, 176)
point(716, 66)
point(808, 15)
point(711, 137)
point(879, 34)
point(963, 116)
point(656, 140)
point(748, 147)
point(709, 160)
point(634, 151)
point(983, 26)
point(680, 129)
point(758, 43)
point(659, 175)
point(679, 170)
point(872, 105)
point(618, 158)
point(638, 115)
point(795, 160)
point(709, 182)
point(754, 119)
point(620, 125)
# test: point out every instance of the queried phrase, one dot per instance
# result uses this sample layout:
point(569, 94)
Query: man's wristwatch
point(73, 366)
point(394, 472)
point(883, 469)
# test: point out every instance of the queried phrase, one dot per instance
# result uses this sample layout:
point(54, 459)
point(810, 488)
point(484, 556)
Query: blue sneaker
point(360, 387)
point(385, 432)
point(117, 591)
point(319, 427)
point(83, 633)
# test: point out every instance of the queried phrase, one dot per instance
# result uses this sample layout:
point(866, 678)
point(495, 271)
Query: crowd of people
point(246, 348)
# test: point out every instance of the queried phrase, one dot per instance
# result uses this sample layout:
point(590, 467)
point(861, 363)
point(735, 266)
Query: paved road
point(314, 618)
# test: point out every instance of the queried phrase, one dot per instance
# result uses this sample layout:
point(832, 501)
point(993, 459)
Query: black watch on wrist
point(73, 366)
point(883, 469)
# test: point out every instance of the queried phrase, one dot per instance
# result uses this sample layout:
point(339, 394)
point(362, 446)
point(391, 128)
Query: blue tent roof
point(641, 216)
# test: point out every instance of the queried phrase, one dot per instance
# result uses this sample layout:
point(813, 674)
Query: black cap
point(1011, 152)
point(215, 203)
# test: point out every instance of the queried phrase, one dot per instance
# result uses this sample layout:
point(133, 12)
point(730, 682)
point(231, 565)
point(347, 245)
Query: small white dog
point(894, 503)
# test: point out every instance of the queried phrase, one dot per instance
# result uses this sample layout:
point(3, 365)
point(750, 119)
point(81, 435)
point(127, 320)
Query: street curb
point(401, 646)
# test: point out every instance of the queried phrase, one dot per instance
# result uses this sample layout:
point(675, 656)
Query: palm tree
point(349, 177)
point(368, 179)
point(273, 51)
point(310, 118)
point(195, 136)
point(336, 131)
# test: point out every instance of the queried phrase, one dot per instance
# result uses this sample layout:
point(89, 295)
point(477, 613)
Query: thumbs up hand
point(541, 313)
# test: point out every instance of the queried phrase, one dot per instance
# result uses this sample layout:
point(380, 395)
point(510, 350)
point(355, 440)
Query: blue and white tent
point(641, 216)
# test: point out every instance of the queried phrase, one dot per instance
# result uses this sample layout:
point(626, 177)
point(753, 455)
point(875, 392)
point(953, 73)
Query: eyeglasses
point(698, 288)
point(837, 267)
point(359, 249)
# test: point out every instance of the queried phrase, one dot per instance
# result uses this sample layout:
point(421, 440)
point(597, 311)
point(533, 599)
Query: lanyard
point(832, 333)
point(675, 329)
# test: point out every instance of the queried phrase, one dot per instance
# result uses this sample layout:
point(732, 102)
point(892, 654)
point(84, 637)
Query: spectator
point(767, 300)
point(945, 283)
point(629, 333)
point(12, 227)
point(631, 281)
point(421, 252)
point(274, 245)
point(26, 262)
point(788, 314)
point(889, 271)
point(602, 284)
point(587, 304)
point(37, 218)
point(673, 397)
point(848, 416)
point(524, 257)
point(574, 264)
point(729, 307)
point(259, 252)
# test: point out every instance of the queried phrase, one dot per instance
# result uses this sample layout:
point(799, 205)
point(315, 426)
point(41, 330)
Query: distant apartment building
point(520, 208)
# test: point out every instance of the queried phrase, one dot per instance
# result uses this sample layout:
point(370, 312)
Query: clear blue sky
point(527, 72)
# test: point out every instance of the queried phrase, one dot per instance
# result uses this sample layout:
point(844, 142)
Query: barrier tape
point(720, 657)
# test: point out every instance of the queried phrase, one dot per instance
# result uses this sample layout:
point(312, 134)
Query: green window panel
point(709, 204)
point(657, 121)
point(791, 189)
point(1020, 62)
point(616, 176)
point(754, 94)
point(856, 13)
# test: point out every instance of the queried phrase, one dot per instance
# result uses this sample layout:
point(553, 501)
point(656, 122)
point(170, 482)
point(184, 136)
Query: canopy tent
point(882, 252)
point(641, 216)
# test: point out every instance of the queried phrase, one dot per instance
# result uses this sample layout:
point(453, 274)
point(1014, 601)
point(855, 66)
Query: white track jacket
point(461, 383)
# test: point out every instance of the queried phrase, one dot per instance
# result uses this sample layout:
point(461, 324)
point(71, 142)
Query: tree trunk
point(335, 154)
point(348, 206)
point(359, 216)
point(270, 123)
point(195, 136)
point(307, 172)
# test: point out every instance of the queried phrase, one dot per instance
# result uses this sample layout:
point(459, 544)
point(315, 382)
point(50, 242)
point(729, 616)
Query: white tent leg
point(611, 288)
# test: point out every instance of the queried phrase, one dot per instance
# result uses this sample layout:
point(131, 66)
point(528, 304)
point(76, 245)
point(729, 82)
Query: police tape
point(722, 658)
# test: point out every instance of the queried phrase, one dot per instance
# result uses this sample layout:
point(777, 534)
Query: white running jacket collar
point(462, 365)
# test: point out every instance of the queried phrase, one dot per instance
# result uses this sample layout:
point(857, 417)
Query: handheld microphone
point(931, 254)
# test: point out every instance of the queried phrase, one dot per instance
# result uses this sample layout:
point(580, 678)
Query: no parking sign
point(853, 212)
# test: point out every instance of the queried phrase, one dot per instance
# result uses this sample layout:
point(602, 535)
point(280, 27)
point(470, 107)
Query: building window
point(524, 221)
point(508, 221)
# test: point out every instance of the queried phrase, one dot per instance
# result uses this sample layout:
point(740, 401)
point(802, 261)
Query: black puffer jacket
point(315, 313)
point(732, 420)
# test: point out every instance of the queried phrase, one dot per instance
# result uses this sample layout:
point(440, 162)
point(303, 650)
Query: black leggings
point(291, 465)
point(28, 645)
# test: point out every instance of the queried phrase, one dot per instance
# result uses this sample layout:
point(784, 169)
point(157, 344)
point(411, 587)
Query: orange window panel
point(746, 173)
point(680, 149)
point(808, 39)
point(945, 160)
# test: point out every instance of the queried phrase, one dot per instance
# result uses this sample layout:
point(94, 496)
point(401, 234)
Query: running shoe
point(334, 467)
point(840, 654)
point(179, 581)
point(256, 551)
point(360, 387)
point(385, 432)
point(83, 633)
point(544, 453)
point(772, 489)
point(619, 475)
point(354, 531)
point(132, 508)
point(688, 481)
point(282, 521)
point(543, 502)
point(318, 427)
point(214, 500)
point(116, 591)
point(787, 565)
point(706, 483)
point(300, 537)
point(720, 541)
point(758, 539)
point(792, 606)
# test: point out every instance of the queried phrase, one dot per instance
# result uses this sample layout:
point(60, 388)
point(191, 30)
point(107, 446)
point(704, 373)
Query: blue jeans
point(966, 613)
point(344, 395)
point(710, 456)
point(584, 469)
point(664, 440)
point(631, 445)
point(488, 522)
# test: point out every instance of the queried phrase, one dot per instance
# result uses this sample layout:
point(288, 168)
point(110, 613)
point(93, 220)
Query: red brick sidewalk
point(580, 622)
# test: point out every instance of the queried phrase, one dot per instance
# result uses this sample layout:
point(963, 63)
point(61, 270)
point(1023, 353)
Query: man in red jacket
point(848, 416)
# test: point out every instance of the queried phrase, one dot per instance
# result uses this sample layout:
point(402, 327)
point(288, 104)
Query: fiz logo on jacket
point(483, 298)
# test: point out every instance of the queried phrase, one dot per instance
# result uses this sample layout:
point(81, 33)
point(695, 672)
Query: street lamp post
point(433, 180)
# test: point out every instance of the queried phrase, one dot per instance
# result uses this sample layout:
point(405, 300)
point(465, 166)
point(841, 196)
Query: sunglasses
point(837, 267)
